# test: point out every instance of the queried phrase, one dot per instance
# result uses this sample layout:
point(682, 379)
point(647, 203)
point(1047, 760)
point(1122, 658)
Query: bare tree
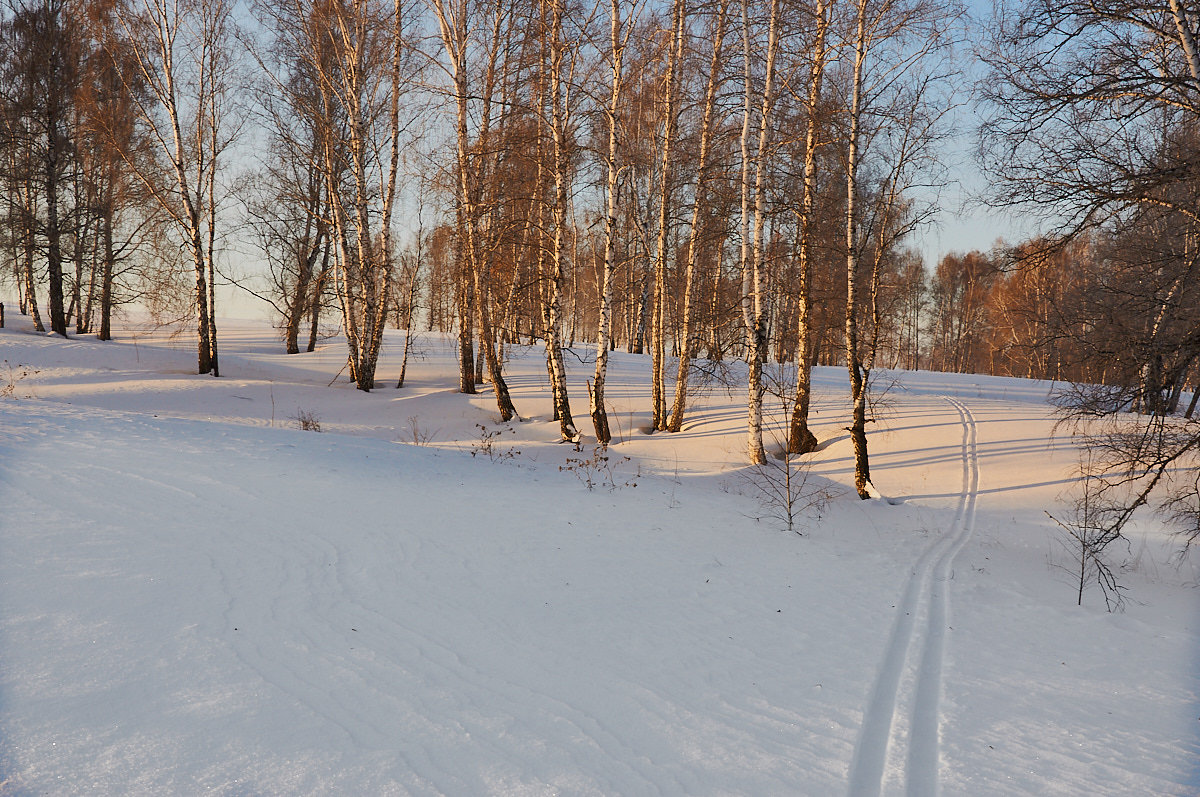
point(43, 66)
point(1089, 531)
point(1077, 93)
point(181, 53)
point(1094, 108)
point(753, 218)
point(619, 33)
point(800, 439)
point(558, 67)
point(286, 198)
point(456, 20)
point(704, 168)
point(670, 123)
point(890, 102)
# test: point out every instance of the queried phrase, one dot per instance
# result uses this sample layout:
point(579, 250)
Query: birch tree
point(889, 100)
point(670, 122)
point(619, 33)
point(558, 67)
point(362, 84)
point(704, 167)
point(753, 217)
point(288, 211)
point(455, 20)
point(800, 439)
point(42, 81)
point(181, 51)
point(858, 390)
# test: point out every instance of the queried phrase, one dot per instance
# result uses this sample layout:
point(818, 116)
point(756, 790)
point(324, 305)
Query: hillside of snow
point(199, 597)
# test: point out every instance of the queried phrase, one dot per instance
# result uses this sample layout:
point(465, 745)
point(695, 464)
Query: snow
point(198, 597)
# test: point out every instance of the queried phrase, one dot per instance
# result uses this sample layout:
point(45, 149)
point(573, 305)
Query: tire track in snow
point(916, 648)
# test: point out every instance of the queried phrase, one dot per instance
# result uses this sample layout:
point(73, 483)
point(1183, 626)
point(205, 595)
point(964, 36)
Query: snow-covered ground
point(198, 597)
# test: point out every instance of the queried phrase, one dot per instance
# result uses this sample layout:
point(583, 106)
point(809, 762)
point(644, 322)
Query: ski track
point(917, 648)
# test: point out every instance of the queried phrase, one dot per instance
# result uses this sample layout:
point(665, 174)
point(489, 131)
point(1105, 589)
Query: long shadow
point(916, 428)
point(999, 448)
point(990, 491)
point(932, 455)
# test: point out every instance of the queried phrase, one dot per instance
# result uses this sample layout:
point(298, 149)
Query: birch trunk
point(152, 30)
point(453, 28)
point(28, 249)
point(800, 438)
point(1187, 38)
point(106, 297)
point(54, 259)
point(559, 119)
point(659, 320)
point(675, 422)
point(858, 381)
point(753, 265)
point(599, 412)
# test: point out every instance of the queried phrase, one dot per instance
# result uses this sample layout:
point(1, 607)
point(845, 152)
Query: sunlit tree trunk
point(699, 208)
point(801, 440)
point(159, 31)
point(617, 42)
point(670, 122)
point(753, 256)
point(555, 68)
point(452, 19)
point(858, 378)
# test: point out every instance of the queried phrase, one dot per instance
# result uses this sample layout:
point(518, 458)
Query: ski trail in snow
point(921, 623)
point(922, 765)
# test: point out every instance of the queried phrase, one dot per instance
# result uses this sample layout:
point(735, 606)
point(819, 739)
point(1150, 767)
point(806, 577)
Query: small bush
point(1090, 528)
point(8, 388)
point(307, 420)
point(596, 470)
point(785, 492)
point(420, 437)
point(489, 444)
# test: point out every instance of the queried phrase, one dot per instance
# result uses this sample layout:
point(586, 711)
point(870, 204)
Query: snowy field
point(198, 597)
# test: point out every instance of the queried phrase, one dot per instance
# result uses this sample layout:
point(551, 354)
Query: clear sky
point(964, 224)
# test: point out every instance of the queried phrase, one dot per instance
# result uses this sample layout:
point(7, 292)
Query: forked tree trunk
point(318, 293)
point(454, 29)
point(153, 33)
point(487, 342)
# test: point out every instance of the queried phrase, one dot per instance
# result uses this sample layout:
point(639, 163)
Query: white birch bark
point(153, 29)
point(800, 439)
point(858, 383)
point(560, 103)
point(1187, 38)
point(617, 42)
point(679, 405)
point(753, 256)
point(452, 19)
point(670, 123)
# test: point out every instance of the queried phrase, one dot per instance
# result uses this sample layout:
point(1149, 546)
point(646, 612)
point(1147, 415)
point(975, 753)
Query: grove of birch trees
point(698, 181)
